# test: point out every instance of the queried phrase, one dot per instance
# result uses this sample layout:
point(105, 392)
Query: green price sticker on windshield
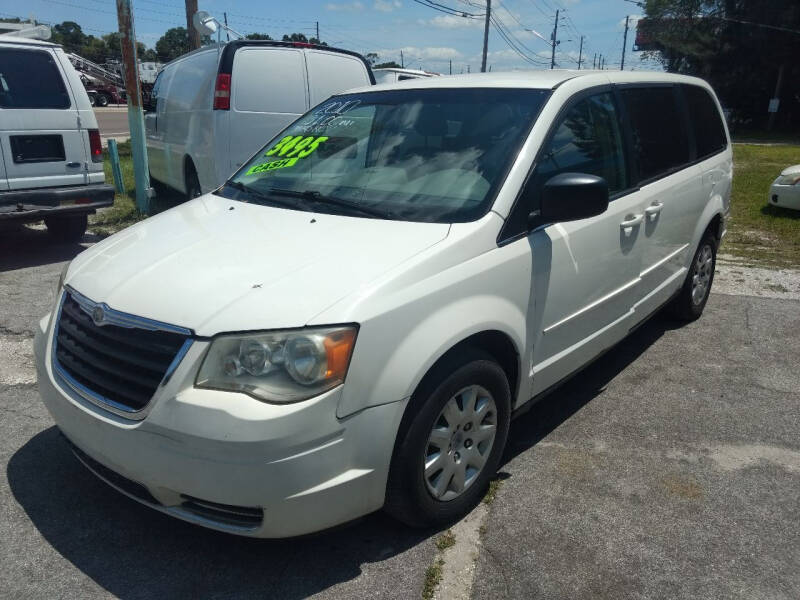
point(270, 166)
point(299, 146)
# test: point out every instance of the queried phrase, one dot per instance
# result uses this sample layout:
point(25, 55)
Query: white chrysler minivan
point(352, 319)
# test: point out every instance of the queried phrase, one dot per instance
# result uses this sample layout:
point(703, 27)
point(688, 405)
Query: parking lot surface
point(669, 468)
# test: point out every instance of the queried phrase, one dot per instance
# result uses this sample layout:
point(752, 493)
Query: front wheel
point(688, 305)
point(101, 100)
point(451, 442)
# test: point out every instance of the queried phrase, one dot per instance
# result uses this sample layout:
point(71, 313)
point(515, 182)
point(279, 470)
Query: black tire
point(161, 189)
point(92, 99)
point(688, 305)
point(67, 229)
point(102, 99)
point(192, 183)
point(407, 496)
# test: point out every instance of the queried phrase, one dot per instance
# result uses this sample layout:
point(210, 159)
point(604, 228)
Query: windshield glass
point(434, 155)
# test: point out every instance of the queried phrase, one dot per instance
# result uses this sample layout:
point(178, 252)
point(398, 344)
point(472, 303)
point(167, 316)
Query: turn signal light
point(95, 145)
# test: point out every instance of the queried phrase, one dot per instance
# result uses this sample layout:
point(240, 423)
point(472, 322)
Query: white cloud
point(450, 22)
point(632, 20)
point(387, 5)
point(345, 6)
point(412, 54)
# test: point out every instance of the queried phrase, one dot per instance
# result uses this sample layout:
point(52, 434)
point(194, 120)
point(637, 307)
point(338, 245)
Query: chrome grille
point(108, 357)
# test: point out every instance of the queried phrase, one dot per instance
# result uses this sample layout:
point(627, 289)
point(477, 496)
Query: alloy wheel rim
point(702, 270)
point(460, 443)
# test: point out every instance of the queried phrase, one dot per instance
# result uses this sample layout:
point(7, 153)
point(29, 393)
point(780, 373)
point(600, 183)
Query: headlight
point(279, 366)
point(791, 179)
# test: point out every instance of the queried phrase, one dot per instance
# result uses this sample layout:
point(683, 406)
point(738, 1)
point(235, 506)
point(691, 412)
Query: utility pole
point(451, 66)
point(317, 31)
point(486, 35)
point(580, 53)
point(130, 71)
point(594, 61)
point(553, 43)
point(227, 33)
point(194, 35)
point(624, 44)
point(402, 63)
point(776, 98)
point(467, 68)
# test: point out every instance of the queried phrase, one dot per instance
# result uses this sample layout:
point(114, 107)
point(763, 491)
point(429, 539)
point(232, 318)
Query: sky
point(428, 38)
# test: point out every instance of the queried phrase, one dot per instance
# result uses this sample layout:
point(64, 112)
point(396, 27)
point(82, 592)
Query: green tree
point(257, 36)
point(737, 45)
point(70, 35)
point(387, 65)
point(172, 44)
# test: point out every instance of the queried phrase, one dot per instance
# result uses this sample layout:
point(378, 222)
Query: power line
point(507, 36)
point(447, 9)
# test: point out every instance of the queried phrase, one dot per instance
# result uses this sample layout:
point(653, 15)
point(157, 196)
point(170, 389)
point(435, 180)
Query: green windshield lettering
point(271, 166)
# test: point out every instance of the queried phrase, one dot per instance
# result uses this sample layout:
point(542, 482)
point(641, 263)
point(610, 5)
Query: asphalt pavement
point(113, 122)
point(669, 469)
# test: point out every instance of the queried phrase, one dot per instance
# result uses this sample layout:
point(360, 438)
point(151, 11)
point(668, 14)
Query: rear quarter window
point(31, 79)
point(709, 132)
point(658, 129)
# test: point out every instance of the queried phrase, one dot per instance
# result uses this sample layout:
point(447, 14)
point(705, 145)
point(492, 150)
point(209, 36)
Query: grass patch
point(433, 575)
point(124, 213)
point(446, 540)
point(491, 493)
point(759, 232)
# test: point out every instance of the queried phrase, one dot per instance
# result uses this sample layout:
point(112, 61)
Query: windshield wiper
point(320, 198)
point(264, 196)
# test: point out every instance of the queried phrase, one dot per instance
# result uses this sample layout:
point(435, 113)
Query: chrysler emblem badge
point(98, 315)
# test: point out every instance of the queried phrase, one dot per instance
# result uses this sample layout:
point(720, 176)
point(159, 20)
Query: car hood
point(215, 265)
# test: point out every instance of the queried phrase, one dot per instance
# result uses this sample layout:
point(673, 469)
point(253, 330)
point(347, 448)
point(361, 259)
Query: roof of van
point(545, 79)
point(12, 39)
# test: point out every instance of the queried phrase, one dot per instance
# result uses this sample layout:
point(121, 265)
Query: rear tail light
point(222, 92)
point(95, 145)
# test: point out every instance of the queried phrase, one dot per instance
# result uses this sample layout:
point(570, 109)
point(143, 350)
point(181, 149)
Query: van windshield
point(434, 155)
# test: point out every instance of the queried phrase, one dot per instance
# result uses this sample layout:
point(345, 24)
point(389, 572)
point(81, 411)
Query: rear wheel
point(67, 229)
point(451, 442)
point(102, 99)
point(688, 305)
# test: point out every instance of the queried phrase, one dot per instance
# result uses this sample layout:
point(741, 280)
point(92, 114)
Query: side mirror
point(571, 197)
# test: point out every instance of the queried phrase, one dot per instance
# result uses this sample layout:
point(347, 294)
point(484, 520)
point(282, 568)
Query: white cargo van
point(214, 107)
point(51, 158)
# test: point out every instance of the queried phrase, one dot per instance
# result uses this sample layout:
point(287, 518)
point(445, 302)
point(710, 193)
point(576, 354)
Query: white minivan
point(212, 108)
point(51, 155)
point(351, 321)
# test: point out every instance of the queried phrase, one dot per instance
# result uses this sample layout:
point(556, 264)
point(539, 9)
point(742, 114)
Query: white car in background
point(350, 322)
point(393, 75)
point(785, 190)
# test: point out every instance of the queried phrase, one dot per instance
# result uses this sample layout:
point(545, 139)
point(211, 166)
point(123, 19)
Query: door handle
point(73, 165)
point(630, 222)
point(653, 210)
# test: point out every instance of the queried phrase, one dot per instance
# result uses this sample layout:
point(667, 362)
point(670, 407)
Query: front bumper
point(299, 464)
point(39, 203)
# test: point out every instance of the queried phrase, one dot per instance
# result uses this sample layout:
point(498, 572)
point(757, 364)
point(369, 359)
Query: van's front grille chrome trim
point(112, 359)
